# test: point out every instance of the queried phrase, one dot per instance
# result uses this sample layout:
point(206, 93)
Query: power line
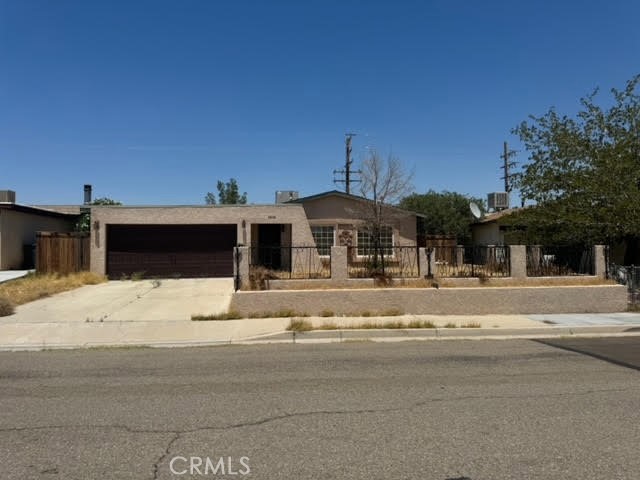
point(347, 172)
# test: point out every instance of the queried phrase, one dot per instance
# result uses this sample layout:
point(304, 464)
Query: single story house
point(18, 227)
point(489, 230)
point(198, 241)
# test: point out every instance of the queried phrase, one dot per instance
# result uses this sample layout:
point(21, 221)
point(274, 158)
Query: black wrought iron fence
point(472, 261)
point(563, 260)
point(628, 275)
point(290, 262)
point(395, 262)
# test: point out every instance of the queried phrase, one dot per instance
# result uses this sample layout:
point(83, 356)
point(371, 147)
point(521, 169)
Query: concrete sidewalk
point(175, 333)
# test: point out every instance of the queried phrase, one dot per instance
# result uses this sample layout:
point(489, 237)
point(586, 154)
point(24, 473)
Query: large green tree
point(447, 213)
point(583, 171)
point(228, 194)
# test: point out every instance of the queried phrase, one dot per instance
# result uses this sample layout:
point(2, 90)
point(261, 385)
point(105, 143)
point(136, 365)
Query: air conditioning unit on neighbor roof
point(498, 200)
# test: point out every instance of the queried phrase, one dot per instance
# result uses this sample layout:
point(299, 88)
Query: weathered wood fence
point(62, 252)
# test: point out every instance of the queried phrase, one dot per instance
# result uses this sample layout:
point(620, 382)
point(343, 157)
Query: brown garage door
point(170, 250)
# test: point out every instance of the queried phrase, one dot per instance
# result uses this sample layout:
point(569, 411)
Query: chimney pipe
point(87, 194)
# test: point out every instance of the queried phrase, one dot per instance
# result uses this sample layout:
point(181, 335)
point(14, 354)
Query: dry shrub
point(299, 325)
point(259, 278)
point(231, 315)
point(6, 307)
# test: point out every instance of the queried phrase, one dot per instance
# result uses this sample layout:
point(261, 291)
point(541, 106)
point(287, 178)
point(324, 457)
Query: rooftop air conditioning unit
point(284, 196)
point(498, 200)
point(7, 196)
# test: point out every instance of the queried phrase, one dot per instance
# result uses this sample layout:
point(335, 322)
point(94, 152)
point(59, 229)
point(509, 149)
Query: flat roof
point(251, 205)
point(35, 210)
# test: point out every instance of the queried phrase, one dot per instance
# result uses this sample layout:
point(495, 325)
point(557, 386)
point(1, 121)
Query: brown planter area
point(443, 301)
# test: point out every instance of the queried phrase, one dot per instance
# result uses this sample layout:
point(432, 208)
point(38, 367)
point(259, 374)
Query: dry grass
point(33, 286)
point(390, 325)
point(328, 326)
point(445, 282)
point(6, 307)
point(299, 325)
point(231, 315)
point(327, 313)
point(450, 325)
point(421, 324)
point(471, 325)
point(569, 281)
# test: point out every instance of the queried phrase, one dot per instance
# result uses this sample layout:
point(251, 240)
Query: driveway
point(130, 301)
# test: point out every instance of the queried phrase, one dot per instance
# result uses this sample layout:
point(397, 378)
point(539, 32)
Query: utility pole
point(347, 180)
point(507, 165)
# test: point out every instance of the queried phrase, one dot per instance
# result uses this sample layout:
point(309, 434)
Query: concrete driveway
point(130, 301)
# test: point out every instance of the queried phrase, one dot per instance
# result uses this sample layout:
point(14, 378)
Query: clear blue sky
point(153, 101)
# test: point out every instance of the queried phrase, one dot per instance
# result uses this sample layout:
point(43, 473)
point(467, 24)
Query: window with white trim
point(366, 244)
point(323, 236)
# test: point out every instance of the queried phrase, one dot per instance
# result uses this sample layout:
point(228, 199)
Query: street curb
point(340, 336)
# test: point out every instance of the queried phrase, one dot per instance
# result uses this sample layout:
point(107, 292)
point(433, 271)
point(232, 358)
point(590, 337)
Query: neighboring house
point(489, 230)
point(199, 240)
point(18, 227)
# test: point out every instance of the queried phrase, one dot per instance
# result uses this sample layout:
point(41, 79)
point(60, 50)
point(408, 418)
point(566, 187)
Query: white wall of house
point(19, 228)
point(487, 234)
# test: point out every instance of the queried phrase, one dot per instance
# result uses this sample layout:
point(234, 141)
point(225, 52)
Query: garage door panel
point(173, 251)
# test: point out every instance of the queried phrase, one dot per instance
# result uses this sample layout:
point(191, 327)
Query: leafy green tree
point(84, 222)
point(228, 194)
point(447, 213)
point(583, 171)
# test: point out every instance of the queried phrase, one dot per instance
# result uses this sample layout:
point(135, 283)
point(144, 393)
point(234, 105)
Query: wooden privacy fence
point(62, 252)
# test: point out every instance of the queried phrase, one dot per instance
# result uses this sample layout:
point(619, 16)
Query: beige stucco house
point(18, 227)
point(490, 230)
point(199, 240)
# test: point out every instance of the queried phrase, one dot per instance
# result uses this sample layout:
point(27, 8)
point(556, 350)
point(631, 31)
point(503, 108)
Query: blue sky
point(153, 101)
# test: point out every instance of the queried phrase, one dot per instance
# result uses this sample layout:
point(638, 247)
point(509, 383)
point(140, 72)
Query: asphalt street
point(441, 410)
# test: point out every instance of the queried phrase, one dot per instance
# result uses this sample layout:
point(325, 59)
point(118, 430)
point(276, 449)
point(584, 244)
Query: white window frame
point(333, 239)
point(393, 243)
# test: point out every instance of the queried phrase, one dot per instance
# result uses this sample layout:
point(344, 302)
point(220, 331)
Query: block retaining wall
point(443, 301)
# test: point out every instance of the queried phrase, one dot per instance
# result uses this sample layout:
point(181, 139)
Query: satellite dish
point(475, 210)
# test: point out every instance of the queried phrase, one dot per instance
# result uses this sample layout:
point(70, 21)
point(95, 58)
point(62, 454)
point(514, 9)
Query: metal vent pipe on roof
point(87, 194)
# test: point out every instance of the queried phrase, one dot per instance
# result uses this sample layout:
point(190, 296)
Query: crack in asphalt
point(177, 434)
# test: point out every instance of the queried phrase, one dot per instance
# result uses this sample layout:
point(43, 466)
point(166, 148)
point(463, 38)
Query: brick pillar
point(518, 261)
point(242, 266)
point(339, 261)
point(599, 261)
